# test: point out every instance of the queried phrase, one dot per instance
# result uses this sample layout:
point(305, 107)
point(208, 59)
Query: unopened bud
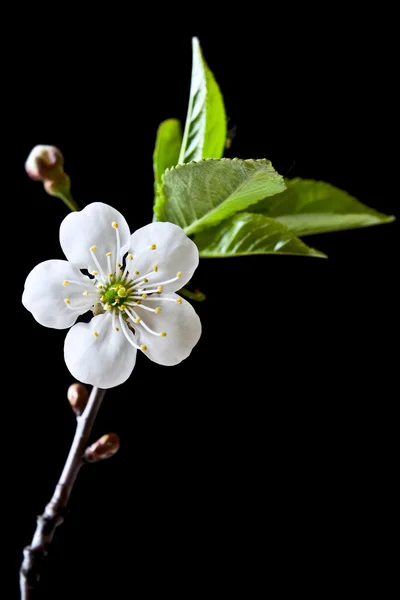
point(105, 447)
point(44, 162)
point(77, 397)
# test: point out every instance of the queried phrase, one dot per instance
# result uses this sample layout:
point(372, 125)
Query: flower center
point(115, 293)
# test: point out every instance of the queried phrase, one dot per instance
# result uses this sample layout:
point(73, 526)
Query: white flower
point(131, 293)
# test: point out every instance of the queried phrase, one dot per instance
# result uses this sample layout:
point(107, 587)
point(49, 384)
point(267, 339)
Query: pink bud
point(105, 447)
point(44, 162)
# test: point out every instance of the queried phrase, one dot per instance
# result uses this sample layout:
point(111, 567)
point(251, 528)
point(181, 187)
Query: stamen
point(133, 315)
point(158, 299)
point(85, 293)
point(75, 282)
point(141, 278)
point(67, 301)
point(156, 310)
point(128, 258)
point(157, 291)
point(95, 334)
point(153, 247)
point(117, 264)
point(92, 249)
point(155, 268)
point(109, 268)
point(170, 280)
point(125, 331)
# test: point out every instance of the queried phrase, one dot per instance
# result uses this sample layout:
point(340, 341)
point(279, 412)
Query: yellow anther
point(85, 293)
point(95, 273)
point(143, 348)
point(119, 265)
point(138, 302)
point(107, 306)
point(137, 320)
point(100, 286)
point(103, 298)
point(95, 334)
point(114, 224)
point(179, 274)
point(122, 307)
point(93, 248)
point(153, 247)
point(163, 333)
point(159, 289)
point(130, 257)
point(144, 296)
point(110, 274)
point(117, 329)
point(67, 301)
point(157, 310)
point(145, 280)
point(155, 268)
point(122, 292)
point(179, 300)
point(117, 300)
point(137, 273)
point(65, 282)
point(108, 254)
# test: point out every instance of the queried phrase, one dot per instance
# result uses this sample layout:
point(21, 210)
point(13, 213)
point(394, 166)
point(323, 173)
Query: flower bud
point(44, 162)
point(77, 397)
point(105, 447)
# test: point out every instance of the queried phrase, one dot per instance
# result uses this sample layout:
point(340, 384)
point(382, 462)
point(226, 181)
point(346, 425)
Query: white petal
point(174, 253)
point(104, 361)
point(44, 295)
point(89, 227)
point(181, 324)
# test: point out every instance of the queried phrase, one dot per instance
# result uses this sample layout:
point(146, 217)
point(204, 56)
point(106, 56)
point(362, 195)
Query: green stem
point(67, 198)
point(197, 295)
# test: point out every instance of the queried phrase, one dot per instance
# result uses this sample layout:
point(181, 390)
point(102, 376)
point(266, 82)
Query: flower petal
point(173, 252)
point(45, 294)
point(89, 227)
point(105, 360)
point(179, 321)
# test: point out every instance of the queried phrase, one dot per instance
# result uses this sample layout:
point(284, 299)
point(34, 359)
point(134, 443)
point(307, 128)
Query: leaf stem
point(55, 510)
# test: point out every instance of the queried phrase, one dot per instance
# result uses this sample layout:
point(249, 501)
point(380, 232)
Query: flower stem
point(67, 198)
point(55, 510)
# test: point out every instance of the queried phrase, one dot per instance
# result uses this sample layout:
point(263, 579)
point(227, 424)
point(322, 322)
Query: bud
point(105, 447)
point(77, 397)
point(44, 162)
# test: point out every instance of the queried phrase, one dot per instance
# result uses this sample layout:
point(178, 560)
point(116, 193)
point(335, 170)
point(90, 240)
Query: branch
point(55, 510)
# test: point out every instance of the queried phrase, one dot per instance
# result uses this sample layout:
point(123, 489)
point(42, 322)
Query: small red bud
point(77, 397)
point(105, 447)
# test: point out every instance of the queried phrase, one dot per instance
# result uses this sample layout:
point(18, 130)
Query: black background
point(263, 459)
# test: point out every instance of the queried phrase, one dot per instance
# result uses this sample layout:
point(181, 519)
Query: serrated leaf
point(200, 195)
point(166, 151)
point(307, 207)
point(248, 233)
point(205, 127)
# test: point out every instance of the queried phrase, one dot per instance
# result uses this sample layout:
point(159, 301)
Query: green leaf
point(200, 195)
point(205, 128)
point(248, 233)
point(166, 151)
point(307, 207)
